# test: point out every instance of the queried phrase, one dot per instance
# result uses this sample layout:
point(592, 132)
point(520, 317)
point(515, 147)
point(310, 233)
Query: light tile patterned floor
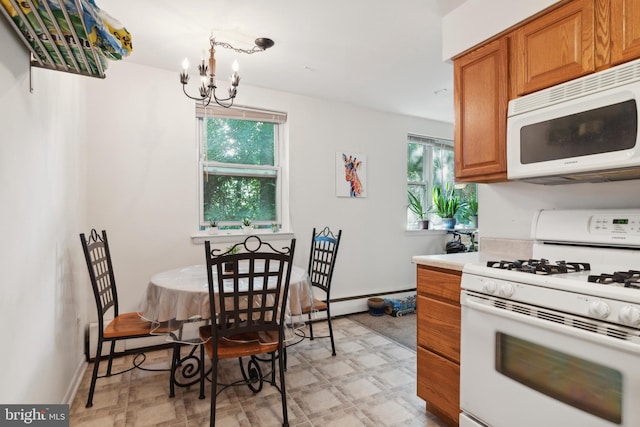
point(371, 382)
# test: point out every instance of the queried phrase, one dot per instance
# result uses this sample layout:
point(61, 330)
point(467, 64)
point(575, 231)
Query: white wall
point(42, 200)
point(142, 180)
point(477, 20)
point(506, 209)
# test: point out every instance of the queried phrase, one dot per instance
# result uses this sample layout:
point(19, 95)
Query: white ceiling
point(382, 55)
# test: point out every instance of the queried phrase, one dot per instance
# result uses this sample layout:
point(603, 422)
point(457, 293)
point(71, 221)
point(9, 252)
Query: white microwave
point(585, 130)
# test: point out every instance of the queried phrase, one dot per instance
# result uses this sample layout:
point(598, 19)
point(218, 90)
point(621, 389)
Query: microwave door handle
point(552, 326)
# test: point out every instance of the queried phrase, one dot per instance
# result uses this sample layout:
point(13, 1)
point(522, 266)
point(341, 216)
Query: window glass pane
point(239, 141)
point(232, 198)
point(415, 163)
point(442, 166)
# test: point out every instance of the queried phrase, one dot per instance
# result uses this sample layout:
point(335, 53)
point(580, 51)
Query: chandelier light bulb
point(235, 67)
point(185, 64)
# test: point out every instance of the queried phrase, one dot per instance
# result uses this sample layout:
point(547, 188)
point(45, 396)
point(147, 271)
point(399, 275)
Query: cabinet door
point(481, 85)
point(556, 47)
point(439, 385)
point(625, 30)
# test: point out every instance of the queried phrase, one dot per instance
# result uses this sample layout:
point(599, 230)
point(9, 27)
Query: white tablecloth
point(182, 294)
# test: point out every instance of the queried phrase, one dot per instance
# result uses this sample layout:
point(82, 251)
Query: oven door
point(523, 366)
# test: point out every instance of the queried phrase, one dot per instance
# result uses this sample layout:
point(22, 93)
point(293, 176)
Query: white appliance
point(546, 342)
point(582, 130)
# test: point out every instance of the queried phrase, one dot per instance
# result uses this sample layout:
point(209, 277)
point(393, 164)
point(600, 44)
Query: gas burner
point(630, 279)
point(540, 266)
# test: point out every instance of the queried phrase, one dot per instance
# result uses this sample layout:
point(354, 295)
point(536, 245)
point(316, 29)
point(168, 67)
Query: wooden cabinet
point(481, 83)
point(625, 30)
point(438, 327)
point(568, 40)
point(557, 47)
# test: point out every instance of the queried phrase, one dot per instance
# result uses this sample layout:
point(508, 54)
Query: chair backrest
point(98, 257)
point(239, 301)
point(322, 259)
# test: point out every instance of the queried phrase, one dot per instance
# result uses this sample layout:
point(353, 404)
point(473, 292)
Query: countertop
point(490, 250)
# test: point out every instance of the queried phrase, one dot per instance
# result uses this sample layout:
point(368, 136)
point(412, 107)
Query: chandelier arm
point(247, 51)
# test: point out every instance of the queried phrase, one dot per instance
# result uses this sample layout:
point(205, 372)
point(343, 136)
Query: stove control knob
point(599, 309)
point(489, 286)
point(506, 290)
point(630, 315)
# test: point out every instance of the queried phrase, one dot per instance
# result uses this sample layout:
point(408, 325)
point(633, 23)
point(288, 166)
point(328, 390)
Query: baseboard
point(358, 304)
point(74, 385)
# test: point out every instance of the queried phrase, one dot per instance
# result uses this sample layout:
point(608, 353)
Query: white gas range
point(555, 341)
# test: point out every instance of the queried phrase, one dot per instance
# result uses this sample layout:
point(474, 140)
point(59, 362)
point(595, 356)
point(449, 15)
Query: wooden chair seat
point(240, 345)
point(131, 325)
point(317, 306)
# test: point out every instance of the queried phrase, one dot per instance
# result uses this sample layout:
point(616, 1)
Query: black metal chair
point(322, 259)
point(123, 325)
point(249, 316)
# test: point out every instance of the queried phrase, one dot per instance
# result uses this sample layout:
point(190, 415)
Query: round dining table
point(182, 295)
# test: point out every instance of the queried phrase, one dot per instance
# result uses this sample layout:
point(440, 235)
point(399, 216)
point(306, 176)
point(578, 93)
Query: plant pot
point(449, 223)
point(213, 230)
point(228, 267)
point(246, 229)
point(473, 221)
point(423, 224)
point(376, 306)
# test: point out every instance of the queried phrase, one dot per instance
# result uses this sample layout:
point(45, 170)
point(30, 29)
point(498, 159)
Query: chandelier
point(208, 73)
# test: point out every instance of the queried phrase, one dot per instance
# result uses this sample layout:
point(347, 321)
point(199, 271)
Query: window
point(430, 163)
point(240, 165)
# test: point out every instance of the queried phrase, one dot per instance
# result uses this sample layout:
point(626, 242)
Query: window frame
point(251, 114)
point(428, 143)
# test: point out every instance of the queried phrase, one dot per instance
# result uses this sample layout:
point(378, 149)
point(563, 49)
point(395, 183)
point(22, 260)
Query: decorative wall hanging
point(351, 174)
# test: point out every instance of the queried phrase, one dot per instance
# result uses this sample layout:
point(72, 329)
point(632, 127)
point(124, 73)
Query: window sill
point(235, 236)
point(422, 232)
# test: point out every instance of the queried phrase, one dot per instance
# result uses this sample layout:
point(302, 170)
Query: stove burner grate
point(540, 266)
point(630, 278)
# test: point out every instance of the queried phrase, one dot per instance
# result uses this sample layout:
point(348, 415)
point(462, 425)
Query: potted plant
point(415, 206)
point(446, 205)
point(213, 226)
point(472, 213)
point(246, 225)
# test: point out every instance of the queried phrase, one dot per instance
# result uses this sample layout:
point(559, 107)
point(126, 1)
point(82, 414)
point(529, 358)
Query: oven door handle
point(601, 339)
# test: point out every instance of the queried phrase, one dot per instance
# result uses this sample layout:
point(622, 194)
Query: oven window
point(583, 384)
point(601, 130)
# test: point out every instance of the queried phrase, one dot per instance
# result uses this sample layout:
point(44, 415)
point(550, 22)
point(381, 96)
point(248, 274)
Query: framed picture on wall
point(351, 174)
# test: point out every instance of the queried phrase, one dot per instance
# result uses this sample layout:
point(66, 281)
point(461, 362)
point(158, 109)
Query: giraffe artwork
point(350, 175)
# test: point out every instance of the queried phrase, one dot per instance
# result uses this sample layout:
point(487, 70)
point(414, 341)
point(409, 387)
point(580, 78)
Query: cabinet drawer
point(439, 384)
point(439, 283)
point(438, 327)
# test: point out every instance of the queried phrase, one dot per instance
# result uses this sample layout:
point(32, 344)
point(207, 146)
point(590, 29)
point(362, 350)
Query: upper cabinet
point(569, 40)
point(625, 30)
point(481, 97)
point(557, 47)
